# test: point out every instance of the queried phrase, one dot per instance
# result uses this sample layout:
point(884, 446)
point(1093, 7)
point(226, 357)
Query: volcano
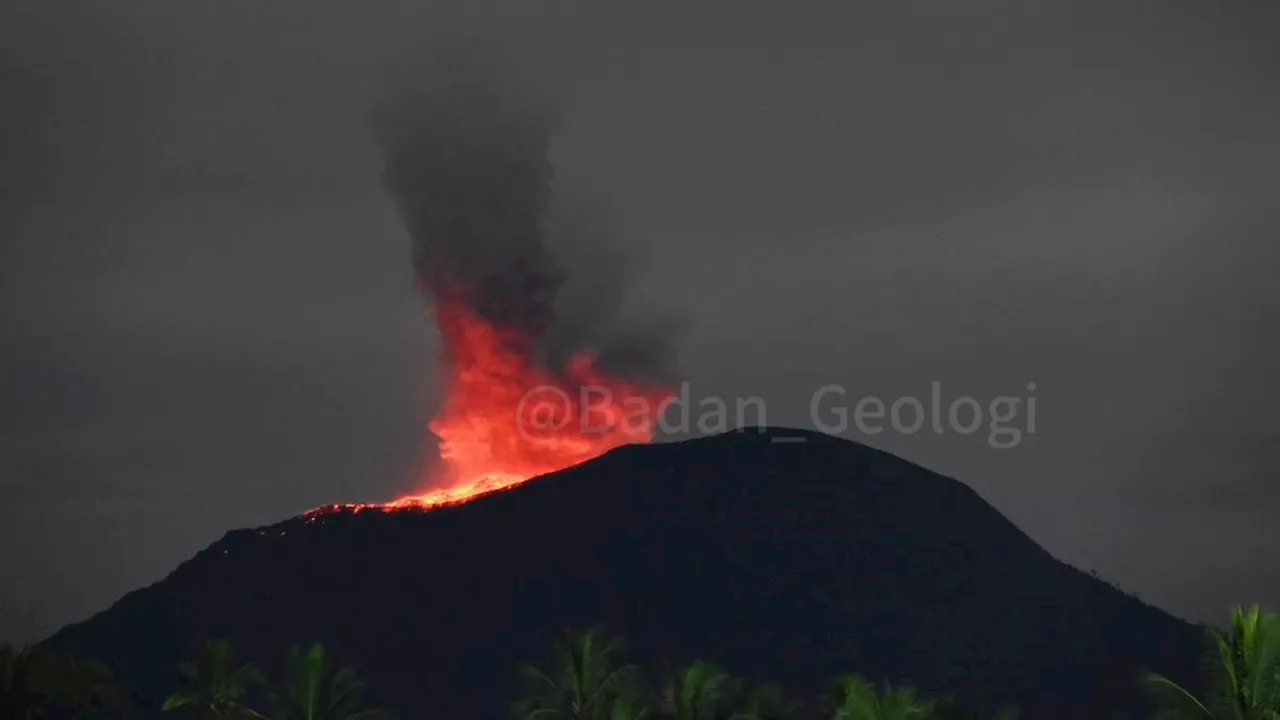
point(788, 561)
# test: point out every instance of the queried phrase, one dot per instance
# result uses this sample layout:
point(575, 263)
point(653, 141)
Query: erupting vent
point(467, 163)
point(505, 421)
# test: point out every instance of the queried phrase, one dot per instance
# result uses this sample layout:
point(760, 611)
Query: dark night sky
point(209, 319)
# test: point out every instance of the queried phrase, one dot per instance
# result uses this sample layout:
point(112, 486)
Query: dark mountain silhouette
point(793, 562)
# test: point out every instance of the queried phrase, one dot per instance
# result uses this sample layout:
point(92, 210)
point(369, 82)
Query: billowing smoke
point(468, 161)
point(467, 154)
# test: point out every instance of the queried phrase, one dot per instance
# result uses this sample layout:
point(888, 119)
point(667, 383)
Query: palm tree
point(314, 690)
point(857, 699)
point(586, 682)
point(630, 708)
point(212, 687)
point(701, 691)
point(24, 682)
point(87, 688)
point(1244, 674)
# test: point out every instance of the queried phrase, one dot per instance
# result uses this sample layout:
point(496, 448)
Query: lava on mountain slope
point(504, 420)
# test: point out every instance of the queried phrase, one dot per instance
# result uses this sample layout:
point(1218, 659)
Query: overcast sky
point(209, 319)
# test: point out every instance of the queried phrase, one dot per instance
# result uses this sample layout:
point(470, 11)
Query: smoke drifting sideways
point(467, 146)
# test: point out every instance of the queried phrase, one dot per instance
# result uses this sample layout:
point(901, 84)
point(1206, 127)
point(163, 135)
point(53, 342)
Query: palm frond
point(1173, 700)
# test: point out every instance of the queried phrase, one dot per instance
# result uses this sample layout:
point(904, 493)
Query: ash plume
point(467, 152)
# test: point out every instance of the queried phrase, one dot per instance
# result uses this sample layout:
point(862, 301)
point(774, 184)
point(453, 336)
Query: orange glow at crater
point(505, 420)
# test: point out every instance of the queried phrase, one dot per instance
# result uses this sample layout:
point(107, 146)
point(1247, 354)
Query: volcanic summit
point(792, 561)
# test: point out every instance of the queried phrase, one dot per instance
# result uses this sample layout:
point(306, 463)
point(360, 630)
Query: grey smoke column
point(467, 149)
point(467, 163)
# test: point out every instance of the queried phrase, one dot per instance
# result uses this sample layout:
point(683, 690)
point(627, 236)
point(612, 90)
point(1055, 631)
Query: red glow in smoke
point(505, 421)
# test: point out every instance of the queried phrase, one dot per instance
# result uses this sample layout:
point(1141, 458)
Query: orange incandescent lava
point(505, 421)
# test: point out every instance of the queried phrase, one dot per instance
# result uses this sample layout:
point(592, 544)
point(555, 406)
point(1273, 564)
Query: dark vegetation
point(589, 679)
point(783, 563)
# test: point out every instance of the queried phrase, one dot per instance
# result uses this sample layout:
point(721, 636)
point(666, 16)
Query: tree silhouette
point(701, 691)
point(857, 699)
point(1243, 674)
point(87, 689)
point(213, 686)
point(585, 682)
point(25, 682)
point(314, 690)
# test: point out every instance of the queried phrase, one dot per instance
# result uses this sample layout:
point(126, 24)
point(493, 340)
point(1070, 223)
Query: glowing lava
point(505, 421)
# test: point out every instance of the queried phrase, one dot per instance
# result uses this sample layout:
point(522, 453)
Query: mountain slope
point(787, 561)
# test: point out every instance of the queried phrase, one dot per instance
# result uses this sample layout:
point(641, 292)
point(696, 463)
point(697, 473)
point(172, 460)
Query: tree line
point(589, 679)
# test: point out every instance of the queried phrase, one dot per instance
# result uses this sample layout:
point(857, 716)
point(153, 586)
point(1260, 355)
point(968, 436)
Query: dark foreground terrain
point(790, 562)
